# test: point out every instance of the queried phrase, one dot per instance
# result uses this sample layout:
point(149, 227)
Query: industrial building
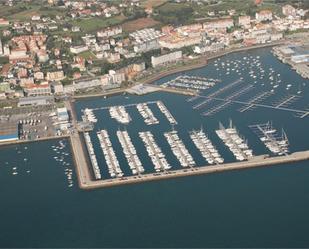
point(35, 101)
point(8, 132)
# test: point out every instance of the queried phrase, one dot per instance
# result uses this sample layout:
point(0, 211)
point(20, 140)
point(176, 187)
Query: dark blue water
point(264, 207)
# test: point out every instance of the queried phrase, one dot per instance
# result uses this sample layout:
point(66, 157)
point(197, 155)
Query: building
point(145, 40)
point(38, 75)
point(117, 76)
point(42, 56)
point(219, 24)
point(37, 89)
point(82, 85)
point(62, 114)
point(264, 15)
point(289, 10)
point(8, 132)
point(78, 49)
point(244, 21)
point(180, 37)
point(167, 58)
point(57, 87)
point(4, 86)
point(109, 32)
point(55, 76)
point(4, 22)
point(35, 101)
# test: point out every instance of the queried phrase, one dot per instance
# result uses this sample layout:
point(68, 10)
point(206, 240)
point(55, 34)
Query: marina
point(278, 145)
point(205, 146)
point(154, 152)
point(89, 116)
point(286, 101)
point(109, 154)
point(191, 82)
point(93, 159)
point(255, 100)
point(167, 113)
point(120, 114)
point(147, 114)
point(216, 93)
point(204, 186)
point(237, 145)
point(130, 152)
point(179, 149)
point(228, 100)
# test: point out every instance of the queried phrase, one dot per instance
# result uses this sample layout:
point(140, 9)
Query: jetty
point(87, 182)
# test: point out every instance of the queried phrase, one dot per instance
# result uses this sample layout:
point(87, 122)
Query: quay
point(16, 142)
point(86, 181)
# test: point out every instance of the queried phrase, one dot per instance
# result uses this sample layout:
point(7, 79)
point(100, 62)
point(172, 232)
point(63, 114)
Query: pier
point(296, 111)
point(175, 90)
point(86, 182)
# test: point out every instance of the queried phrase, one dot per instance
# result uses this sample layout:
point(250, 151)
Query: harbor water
point(42, 205)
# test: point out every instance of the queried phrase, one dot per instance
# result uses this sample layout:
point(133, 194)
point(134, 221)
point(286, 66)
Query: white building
point(167, 58)
point(145, 40)
point(109, 32)
point(244, 21)
point(37, 90)
point(78, 49)
point(57, 87)
point(219, 24)
point(264, 15)
point(117, 77)
point(288, 10)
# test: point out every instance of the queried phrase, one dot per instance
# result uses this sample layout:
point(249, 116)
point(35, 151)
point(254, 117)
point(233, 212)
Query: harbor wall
point(15, 142)
point(258, 161)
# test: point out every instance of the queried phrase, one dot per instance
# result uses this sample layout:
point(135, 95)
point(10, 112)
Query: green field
point(87, 55)
point(171, 11)
point(24, 12)
point(93, 24)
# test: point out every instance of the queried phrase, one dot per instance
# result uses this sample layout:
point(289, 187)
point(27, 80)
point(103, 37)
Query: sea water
point(267, 207)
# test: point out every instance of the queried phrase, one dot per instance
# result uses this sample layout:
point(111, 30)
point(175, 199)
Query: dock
point(86, 181)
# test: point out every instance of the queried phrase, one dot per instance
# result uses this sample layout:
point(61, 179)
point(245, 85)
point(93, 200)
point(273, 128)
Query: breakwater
point(86, 181)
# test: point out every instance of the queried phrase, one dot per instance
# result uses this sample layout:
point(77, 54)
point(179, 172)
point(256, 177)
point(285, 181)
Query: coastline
point(200, 62)
point(17, 142)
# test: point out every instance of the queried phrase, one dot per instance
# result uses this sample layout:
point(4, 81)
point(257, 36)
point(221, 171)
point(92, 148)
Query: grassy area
point(94, 24)
point(87, 55)
point(140, 23)
point(24, 12)
point(174, 13)
point(152, 3)
point(241, 6)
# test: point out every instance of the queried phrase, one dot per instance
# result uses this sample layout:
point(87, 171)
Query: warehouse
point(8, 132)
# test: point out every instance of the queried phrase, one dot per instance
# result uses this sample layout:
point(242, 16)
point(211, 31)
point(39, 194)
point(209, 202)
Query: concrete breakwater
point(16, 142)
point(86, 181)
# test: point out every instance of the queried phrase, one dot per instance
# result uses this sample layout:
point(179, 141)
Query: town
point(61, 50)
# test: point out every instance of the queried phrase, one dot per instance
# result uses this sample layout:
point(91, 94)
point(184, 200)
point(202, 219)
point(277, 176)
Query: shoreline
point(201, 62)
point(17, 142)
